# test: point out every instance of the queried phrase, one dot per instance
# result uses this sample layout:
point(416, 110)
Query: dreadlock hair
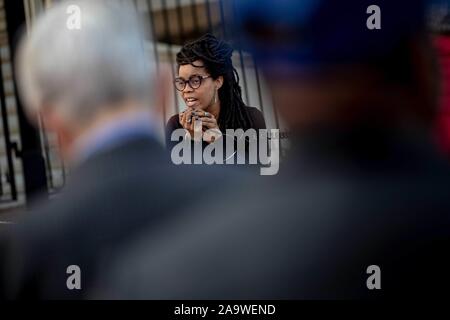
point(216, 57)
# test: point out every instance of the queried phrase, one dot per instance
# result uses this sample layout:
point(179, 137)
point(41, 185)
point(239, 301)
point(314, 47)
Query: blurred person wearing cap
point(440, 25)
point(97, 88)
point(361, 207)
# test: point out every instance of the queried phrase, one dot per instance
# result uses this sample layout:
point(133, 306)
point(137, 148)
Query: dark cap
point(310, 32)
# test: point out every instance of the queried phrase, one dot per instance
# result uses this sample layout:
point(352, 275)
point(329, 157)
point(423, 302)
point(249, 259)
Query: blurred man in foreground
point(361, 209)
point(95, 85)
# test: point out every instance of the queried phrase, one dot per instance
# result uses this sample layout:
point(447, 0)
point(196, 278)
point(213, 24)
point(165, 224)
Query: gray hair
point(83, 71)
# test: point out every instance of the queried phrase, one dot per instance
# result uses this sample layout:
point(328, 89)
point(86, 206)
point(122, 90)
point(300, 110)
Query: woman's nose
point(187, 88)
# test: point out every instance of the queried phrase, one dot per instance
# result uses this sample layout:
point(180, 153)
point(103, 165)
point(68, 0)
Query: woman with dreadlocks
point(209, 85)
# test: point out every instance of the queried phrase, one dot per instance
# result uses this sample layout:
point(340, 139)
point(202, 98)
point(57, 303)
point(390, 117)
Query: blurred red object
point(442, 43)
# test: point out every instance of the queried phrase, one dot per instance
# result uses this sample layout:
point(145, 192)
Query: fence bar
point(7, 137)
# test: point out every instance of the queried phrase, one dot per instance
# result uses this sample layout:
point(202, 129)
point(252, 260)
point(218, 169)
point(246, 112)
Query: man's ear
point(54, 123)
point(50, 120)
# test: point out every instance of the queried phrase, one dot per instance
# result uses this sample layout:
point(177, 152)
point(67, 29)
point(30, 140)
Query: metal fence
point(11, 183)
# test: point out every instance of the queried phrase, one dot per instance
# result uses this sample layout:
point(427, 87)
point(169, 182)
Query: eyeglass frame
point(188, 81)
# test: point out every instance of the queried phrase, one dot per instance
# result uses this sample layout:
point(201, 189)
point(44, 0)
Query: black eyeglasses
point(194, 81)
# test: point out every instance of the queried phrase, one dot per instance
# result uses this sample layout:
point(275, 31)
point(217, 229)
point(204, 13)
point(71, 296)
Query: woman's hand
point(186, 121)
point(209, 122)
point(207, 119)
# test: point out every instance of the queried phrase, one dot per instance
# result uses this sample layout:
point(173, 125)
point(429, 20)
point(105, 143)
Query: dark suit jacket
point(344, 202)
point(108, 200)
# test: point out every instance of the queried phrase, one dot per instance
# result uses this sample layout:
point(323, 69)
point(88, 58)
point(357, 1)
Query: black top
point(254, 114)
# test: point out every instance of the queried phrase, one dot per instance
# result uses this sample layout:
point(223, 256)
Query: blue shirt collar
point(116, 133)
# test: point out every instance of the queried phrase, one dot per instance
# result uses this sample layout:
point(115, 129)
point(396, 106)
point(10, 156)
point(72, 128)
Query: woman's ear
point(219, 82)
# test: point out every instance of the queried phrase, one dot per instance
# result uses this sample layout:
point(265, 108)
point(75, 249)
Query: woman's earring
point(215, 96)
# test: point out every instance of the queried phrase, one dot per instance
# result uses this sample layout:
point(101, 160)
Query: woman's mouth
point(190, 101)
